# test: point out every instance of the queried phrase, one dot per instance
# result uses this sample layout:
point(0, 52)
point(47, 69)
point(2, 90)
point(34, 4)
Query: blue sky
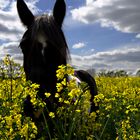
point(101, 34)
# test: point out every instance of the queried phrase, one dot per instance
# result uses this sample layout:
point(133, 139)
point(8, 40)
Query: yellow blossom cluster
point(73, 113)
point(13, 124)
point(13, 92)
point(119, 102)
point(118, 99)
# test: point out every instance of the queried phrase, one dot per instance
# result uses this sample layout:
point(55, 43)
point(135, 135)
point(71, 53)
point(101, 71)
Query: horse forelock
point(44, 30)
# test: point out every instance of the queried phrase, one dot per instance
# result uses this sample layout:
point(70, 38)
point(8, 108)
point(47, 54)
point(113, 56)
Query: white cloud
point(126, 58)
point(123, 15)
point(138, 36)
point(3, 4)
point(79, 45)
point(10, 26)
point(11, 29)
point(13, 50)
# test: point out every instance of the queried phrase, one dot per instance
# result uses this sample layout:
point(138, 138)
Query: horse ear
point(25, 14)
point(59, 11)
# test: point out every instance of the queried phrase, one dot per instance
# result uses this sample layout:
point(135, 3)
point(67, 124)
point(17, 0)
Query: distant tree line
point(112, 73)
point(119, 73)
point(138, 73)
point(10, 69)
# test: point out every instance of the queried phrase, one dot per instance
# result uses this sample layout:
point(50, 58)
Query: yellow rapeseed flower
point(48, 95)
point(52, 115)
point(78, 110)
point(67, 102)
point(57, 95)
point(64, 82)
point(59, 87)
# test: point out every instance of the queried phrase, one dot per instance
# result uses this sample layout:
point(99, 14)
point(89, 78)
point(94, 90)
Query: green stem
point(46, 125)
point(104, 128)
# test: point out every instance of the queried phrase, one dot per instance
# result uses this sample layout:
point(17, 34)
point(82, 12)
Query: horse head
point(43, 44)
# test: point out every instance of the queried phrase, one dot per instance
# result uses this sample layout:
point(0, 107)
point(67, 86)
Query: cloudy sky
point(101, 34)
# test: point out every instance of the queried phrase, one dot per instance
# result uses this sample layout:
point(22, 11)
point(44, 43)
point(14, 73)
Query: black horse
point(44, 48)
